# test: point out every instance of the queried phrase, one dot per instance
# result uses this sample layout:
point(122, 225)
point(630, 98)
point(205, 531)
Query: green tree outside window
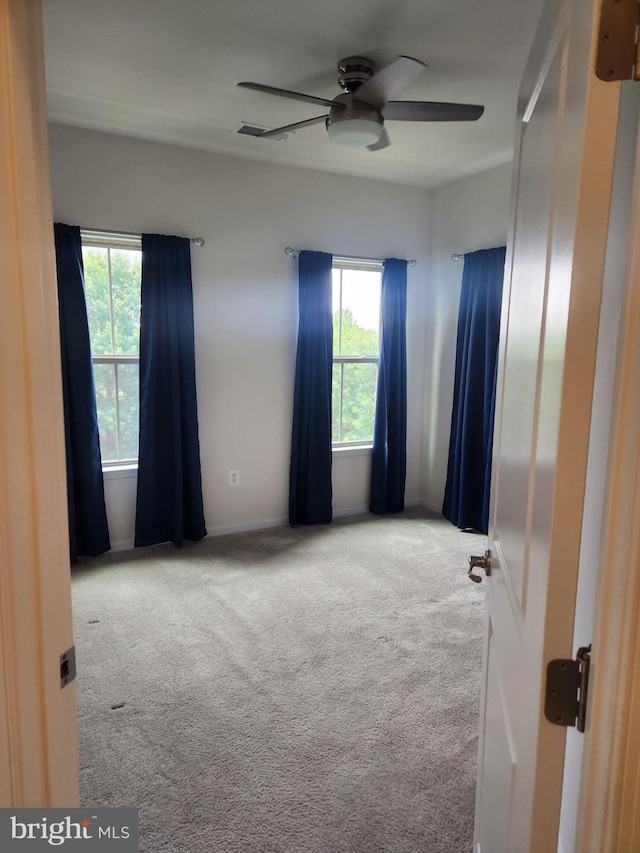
point(112, 292)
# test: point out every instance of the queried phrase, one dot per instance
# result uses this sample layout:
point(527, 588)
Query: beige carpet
point(309, 690)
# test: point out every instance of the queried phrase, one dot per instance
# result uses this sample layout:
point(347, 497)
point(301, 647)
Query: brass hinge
point(617, 55)
point(567, 688)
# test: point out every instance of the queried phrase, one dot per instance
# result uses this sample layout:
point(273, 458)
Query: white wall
point(467, 215)
point(245, 297)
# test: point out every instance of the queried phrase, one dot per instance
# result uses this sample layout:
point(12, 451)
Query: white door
point(565, 144)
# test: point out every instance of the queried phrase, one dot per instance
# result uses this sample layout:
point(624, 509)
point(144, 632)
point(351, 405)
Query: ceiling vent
point(250, 130)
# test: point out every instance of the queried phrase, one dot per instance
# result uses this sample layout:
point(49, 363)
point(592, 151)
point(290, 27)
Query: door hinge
point(567, 688)
point(67, 666)
point(617, 54)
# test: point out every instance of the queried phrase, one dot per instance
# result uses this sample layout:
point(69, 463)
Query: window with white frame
point(112, 274)
point(356, 289)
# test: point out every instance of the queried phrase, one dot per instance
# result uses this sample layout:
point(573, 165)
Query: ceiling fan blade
point(431, 111)
point(383, 142)
point(389, 81)
point(285, 93)
point(276, 131)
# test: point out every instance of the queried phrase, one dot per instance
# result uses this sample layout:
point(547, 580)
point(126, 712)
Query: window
point(356, 288)
point(112, 273)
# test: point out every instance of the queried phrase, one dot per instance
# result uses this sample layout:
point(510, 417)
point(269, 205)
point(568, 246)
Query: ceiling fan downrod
point(353, 72)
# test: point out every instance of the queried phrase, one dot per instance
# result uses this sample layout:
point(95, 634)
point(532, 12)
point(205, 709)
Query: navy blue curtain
point(88, 531)
point(169, 500)
point(389, 456)
point(466, 498)
point(310, 473)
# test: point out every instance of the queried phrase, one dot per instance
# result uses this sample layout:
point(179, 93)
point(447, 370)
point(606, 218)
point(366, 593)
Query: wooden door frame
point(609, 816)
point(38, 739)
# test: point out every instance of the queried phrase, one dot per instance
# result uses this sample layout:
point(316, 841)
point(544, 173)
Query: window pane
point(96, 286)
point(112, 291)
point(358, 401)
point(335, 308)
point(125, 281)
point(128, 407)
point(104, 379)
point(360, 321)
point(336, 403)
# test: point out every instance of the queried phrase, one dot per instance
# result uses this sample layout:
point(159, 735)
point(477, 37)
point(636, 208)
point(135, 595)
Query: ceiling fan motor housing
point(353, 72)
point(356, 123)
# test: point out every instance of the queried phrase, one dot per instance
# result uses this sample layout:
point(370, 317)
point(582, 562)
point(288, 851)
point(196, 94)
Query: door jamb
point(610, 788)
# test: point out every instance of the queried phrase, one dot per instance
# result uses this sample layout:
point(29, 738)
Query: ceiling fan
point(357, 117)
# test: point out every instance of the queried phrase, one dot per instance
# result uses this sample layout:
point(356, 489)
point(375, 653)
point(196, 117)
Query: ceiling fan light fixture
point(356, 131)
point(355, 117)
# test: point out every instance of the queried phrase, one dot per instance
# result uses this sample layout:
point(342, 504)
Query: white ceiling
point(167, 70)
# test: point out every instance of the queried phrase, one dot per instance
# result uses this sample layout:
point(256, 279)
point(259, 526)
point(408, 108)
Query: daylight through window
point(356, 343)
point(112, 273)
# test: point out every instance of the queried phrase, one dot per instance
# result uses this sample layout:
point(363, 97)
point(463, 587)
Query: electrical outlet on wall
point(234, 478)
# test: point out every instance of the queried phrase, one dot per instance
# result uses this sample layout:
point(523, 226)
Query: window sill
point(361, 450)
point(120, 472)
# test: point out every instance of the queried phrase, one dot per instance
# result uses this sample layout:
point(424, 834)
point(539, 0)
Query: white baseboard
point(246, 526)
point(124, 545)
point(432, 506)
point(363, 510)
point(350, 510)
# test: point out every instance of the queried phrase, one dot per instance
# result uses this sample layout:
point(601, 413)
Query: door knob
point(479, 563)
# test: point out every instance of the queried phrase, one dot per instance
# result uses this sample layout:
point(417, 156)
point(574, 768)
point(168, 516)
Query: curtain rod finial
point(457, 256)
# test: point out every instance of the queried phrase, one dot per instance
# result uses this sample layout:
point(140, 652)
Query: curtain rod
point(457, 257)
point(197, 241)
point(293, 253)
